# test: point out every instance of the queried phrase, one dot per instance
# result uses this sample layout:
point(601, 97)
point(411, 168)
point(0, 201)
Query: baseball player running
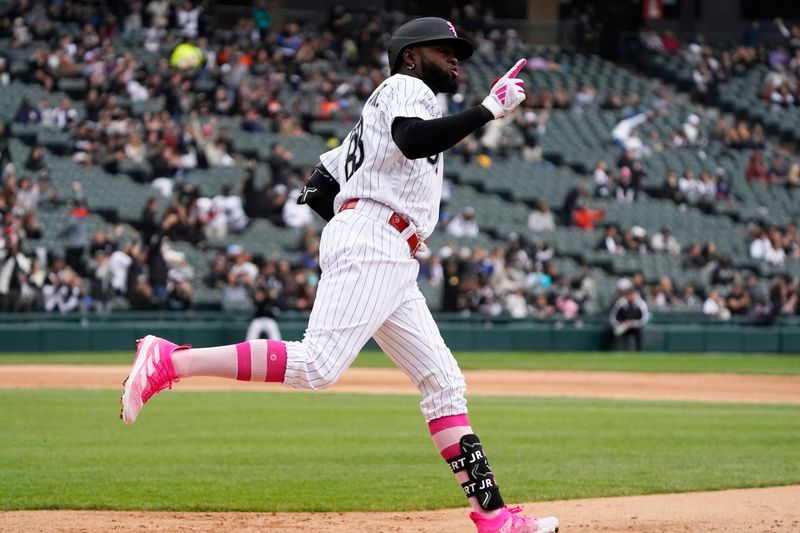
point(380, 191)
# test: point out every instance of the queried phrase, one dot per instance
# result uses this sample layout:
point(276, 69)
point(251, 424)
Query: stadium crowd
point(259, 78)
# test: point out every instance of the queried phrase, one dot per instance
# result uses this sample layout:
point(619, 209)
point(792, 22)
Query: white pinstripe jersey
point(369, 164)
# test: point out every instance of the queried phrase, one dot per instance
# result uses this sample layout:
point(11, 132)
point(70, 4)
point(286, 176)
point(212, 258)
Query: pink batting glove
point(507, 92)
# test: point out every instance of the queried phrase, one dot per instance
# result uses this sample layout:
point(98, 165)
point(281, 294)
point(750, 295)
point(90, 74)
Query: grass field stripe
point(61, 449)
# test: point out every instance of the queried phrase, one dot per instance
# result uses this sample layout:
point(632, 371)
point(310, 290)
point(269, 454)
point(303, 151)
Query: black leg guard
point(481, 482)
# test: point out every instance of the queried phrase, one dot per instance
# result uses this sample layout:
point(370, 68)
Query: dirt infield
point(770, 510)
point(619, 385)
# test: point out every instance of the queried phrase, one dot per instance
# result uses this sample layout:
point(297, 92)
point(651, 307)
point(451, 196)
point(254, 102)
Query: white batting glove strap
point(507, 93)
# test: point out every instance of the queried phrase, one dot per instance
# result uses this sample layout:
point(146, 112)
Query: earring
point(411, 66)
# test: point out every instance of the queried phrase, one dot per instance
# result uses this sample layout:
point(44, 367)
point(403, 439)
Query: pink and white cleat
point(152, 372)
point(510, 521)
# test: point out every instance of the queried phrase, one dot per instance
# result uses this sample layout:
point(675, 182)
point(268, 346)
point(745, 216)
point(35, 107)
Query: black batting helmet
point(426, 30)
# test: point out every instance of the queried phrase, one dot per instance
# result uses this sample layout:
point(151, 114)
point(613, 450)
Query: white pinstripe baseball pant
point(368, 288)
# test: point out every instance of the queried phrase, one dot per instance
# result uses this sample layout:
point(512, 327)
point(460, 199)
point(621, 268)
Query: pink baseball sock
point(446, 433)
point(258, 360)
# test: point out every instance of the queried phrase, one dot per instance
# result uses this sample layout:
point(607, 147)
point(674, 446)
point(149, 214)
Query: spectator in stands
point(584, 99)
point(64, 115)
point(278, 196)
point(778, 169)
point(664, 241)
point(280, 163)
point(703, 78)
point(611, 241)
point(232, 207)
point(691, 189)
point(27, 113)
point(662, 294)
point(15, 267)
point(602, 182)
point(715, 306)
point(635, 240)
point(5, 146)
point(760, 243)
point(76, 237)
point(724, 185)
point(63, 291)
point(542, 307)
point(148, 221)
point(264, 317)
point(670, 42)
point(100, 290)
point(570, 203)
point(783, 297)
point(793, 176)
point(464, 224)
point(670, 189)
point(758, 140)
point(180, 296)
point(790, 240)
point(694, 257)
point(691, 130)
point(738, 300)
point(625, 191)
point(739, 136)
point(625, 135)
point(297, 216)
point(774, 253)
point(541, 218)
point(585, 217)
point(706, 189)
point(628, 317)
point(35, 161)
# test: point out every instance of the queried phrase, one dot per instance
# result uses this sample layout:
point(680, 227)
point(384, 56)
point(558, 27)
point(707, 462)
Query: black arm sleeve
point(418, 138)
point(319, 192)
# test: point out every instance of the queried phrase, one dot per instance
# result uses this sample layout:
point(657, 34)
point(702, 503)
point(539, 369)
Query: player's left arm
point(419, 138)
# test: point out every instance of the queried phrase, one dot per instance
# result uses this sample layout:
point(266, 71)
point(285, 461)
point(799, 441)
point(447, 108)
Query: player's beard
point(438, 79)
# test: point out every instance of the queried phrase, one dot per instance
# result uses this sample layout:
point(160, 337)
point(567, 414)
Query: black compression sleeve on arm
point(418, 138)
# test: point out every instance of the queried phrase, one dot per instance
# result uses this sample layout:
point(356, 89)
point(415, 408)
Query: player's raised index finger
point(516, 68)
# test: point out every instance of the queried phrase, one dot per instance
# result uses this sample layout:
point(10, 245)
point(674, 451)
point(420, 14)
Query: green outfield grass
point(629, 362)
point(337, 452)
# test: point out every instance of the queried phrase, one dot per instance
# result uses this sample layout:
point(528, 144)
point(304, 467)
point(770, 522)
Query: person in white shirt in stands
point(464, 225)
point(759, 245)
point(691, 130)
point(664, 241)
point(213, 219)
point(231, 205)
point(296, 215)
point(242, 267)
point(625, 135)
point(689, 187)
point(774, 253)
point(541, 218)
point(188, 18)
point(602, 183)
point(715, 306)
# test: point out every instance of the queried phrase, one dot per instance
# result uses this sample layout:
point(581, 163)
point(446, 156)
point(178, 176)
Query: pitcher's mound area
point(770, 510)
